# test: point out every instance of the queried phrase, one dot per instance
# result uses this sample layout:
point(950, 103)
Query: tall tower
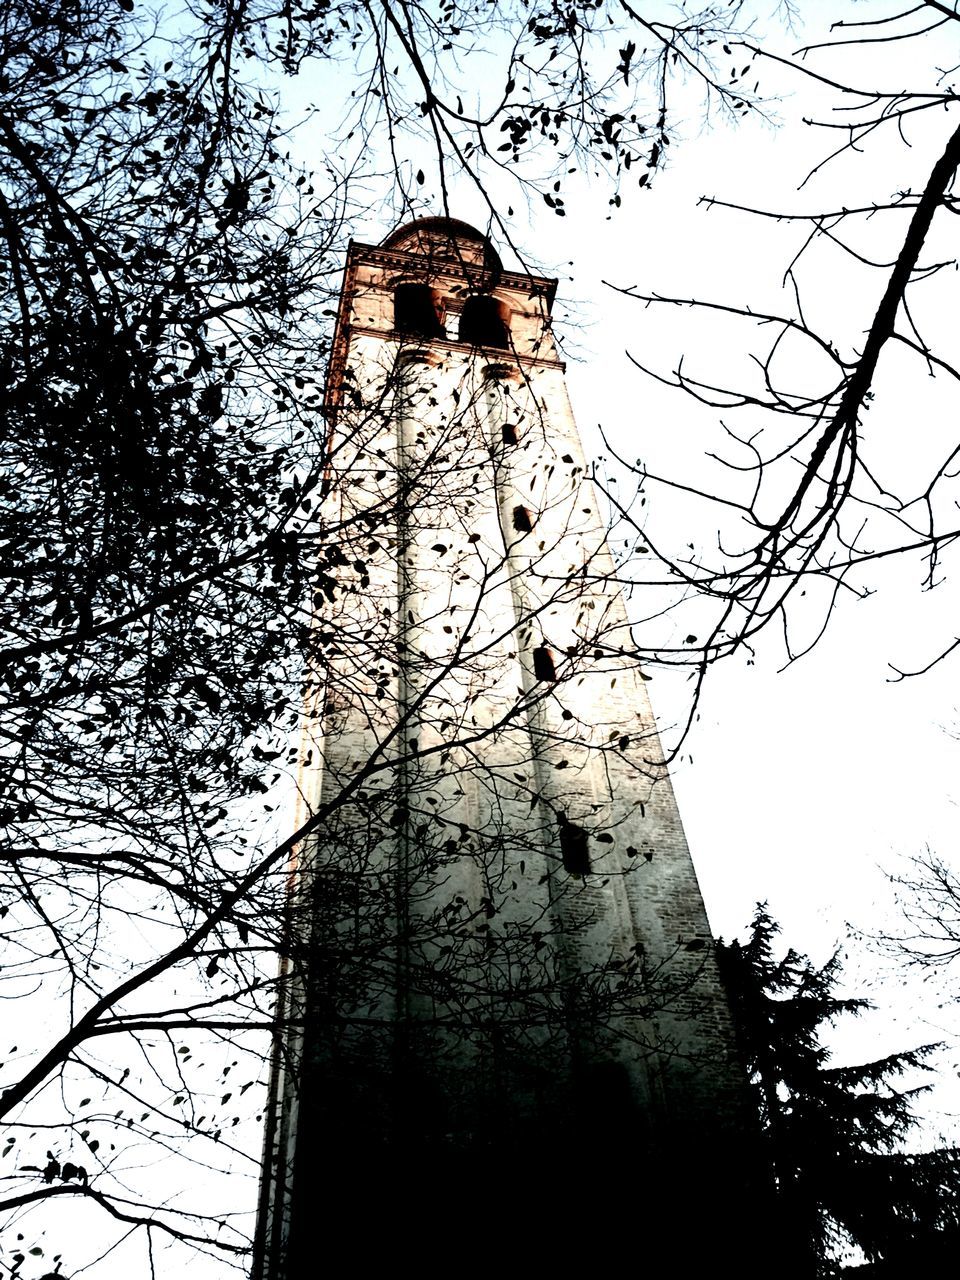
point(502, 997)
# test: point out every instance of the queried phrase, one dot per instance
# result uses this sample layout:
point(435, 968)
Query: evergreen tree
point(833, 1134)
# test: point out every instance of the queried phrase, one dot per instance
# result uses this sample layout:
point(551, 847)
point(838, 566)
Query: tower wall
point(500, 947)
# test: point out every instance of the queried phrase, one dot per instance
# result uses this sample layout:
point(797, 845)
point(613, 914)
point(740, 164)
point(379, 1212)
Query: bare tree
point(928, 895)
point(818, 496)
point(169, 539)
point(163, 260)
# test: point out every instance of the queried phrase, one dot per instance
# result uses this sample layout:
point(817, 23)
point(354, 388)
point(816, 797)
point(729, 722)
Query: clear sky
point(801, 787)
point(795, 787)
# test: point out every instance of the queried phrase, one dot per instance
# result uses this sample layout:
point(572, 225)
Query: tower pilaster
point(502, 961)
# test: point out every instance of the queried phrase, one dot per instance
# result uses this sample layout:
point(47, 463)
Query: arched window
point(543, 667)
point(417, 310)
point(522, 519)
point(573, 848)
point(485, 322)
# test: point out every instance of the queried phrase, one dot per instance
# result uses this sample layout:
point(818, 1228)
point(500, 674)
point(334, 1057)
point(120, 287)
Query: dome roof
point(446, 238)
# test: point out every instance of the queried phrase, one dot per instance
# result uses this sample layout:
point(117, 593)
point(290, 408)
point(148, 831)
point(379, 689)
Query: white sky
point(800, 782)
point(804, 787)
point(800, 788)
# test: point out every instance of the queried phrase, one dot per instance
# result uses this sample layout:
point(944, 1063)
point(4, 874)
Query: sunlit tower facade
point(502, 981)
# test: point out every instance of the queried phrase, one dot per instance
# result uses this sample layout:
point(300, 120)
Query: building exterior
point(502, 988)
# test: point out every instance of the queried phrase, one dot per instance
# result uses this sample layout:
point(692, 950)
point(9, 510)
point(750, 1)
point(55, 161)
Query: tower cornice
point(449, 269)
point(460, 277)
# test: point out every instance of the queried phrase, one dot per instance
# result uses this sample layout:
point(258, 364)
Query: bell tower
point(501, 1000)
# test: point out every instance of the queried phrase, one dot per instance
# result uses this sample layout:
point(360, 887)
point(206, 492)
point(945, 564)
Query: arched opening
point(522, 519)
point(417, 311)
point(573, 848)
point(543, 667)
point(485, 322)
